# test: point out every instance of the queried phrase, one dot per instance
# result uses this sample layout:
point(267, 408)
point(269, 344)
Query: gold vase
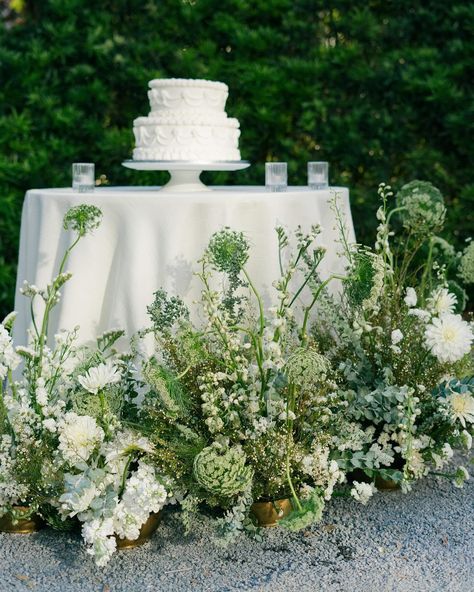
point(22, 525)
point(146, 532)
point(269, 513)
point(386, 484)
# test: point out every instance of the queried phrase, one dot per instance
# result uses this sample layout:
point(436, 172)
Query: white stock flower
point(78, 436)
point(98, 534)
point(9, 359)
point(448, 338)
point(362, 492)
point(98, 377)
point(410, 298)
point(466, 439)
point(441, 302)
point(460, 477)
point(462, 407)
point(396, 336)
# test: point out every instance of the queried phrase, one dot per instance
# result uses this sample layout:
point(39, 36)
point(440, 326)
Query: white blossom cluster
point(109, 500)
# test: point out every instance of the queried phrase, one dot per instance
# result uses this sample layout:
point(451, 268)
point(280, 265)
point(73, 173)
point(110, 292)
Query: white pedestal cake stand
point(185, 174)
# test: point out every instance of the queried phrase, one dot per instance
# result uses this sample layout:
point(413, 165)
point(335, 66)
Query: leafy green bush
point(379, 89)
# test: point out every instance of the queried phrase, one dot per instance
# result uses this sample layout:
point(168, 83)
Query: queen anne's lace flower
point(78, 436)
point(448, 338)
point(98, 377)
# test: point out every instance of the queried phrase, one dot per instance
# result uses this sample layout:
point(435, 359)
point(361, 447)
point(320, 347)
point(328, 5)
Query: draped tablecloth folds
point(150, 239)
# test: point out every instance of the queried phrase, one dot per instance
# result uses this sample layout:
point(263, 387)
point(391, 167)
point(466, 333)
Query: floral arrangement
point(400, 345)
point(64, 449)
point(321, 394)
point(242, 408)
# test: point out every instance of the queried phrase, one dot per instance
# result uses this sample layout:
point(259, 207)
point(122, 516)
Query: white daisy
point(441, 302)
point(449, 338)
point(462, 407)
point(99, 377)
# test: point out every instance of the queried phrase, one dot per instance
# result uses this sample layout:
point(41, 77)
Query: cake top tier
point(182, 94)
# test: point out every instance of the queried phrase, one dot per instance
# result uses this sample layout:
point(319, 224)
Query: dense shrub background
point(380, 89)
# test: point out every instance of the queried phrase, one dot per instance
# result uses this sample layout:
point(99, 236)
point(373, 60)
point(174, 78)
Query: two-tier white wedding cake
point(187, 122)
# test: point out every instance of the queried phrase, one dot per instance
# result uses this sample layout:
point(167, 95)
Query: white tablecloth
point(150, 239)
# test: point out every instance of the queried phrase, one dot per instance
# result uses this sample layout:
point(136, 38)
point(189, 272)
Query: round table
point(149, 240)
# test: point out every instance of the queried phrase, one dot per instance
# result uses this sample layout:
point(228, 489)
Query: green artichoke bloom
point(424, 210)
point(222, 471)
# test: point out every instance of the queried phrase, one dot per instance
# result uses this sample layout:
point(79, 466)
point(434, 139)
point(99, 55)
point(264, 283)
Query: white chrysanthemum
point(449, 338)
point(78, 436)
point(441, 302)
point(99, 377)
point(410, 298)
point(362, 492)
point(462, 407)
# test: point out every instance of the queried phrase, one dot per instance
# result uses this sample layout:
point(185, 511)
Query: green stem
point(259, 300)
point(313, 302)
point(289, 426)
point(301, 288)
point(49, 305)
point(426, 271)
point(125, 475)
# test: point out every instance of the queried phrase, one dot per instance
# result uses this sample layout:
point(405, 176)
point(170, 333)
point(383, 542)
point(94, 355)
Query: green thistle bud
point(222, 471)
point(424, 210)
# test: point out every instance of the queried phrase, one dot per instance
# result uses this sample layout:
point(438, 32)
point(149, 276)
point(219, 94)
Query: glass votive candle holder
point(83, 176)
point(318, 175)
point(276, 176)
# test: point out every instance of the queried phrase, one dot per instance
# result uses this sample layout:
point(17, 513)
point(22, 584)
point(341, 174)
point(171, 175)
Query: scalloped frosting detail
point(188, 82)
point(186, 119)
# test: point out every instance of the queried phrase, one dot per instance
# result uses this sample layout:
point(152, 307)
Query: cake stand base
point(185, 174)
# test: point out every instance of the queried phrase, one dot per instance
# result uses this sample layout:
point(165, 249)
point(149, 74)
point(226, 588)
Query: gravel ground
point(419, 542)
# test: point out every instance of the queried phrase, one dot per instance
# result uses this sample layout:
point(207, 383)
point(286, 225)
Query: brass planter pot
point(269, 513)
point(23, 525)
point(386, 484)
point(146, 532)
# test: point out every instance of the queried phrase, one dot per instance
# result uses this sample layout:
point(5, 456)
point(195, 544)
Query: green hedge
point(379, 89)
